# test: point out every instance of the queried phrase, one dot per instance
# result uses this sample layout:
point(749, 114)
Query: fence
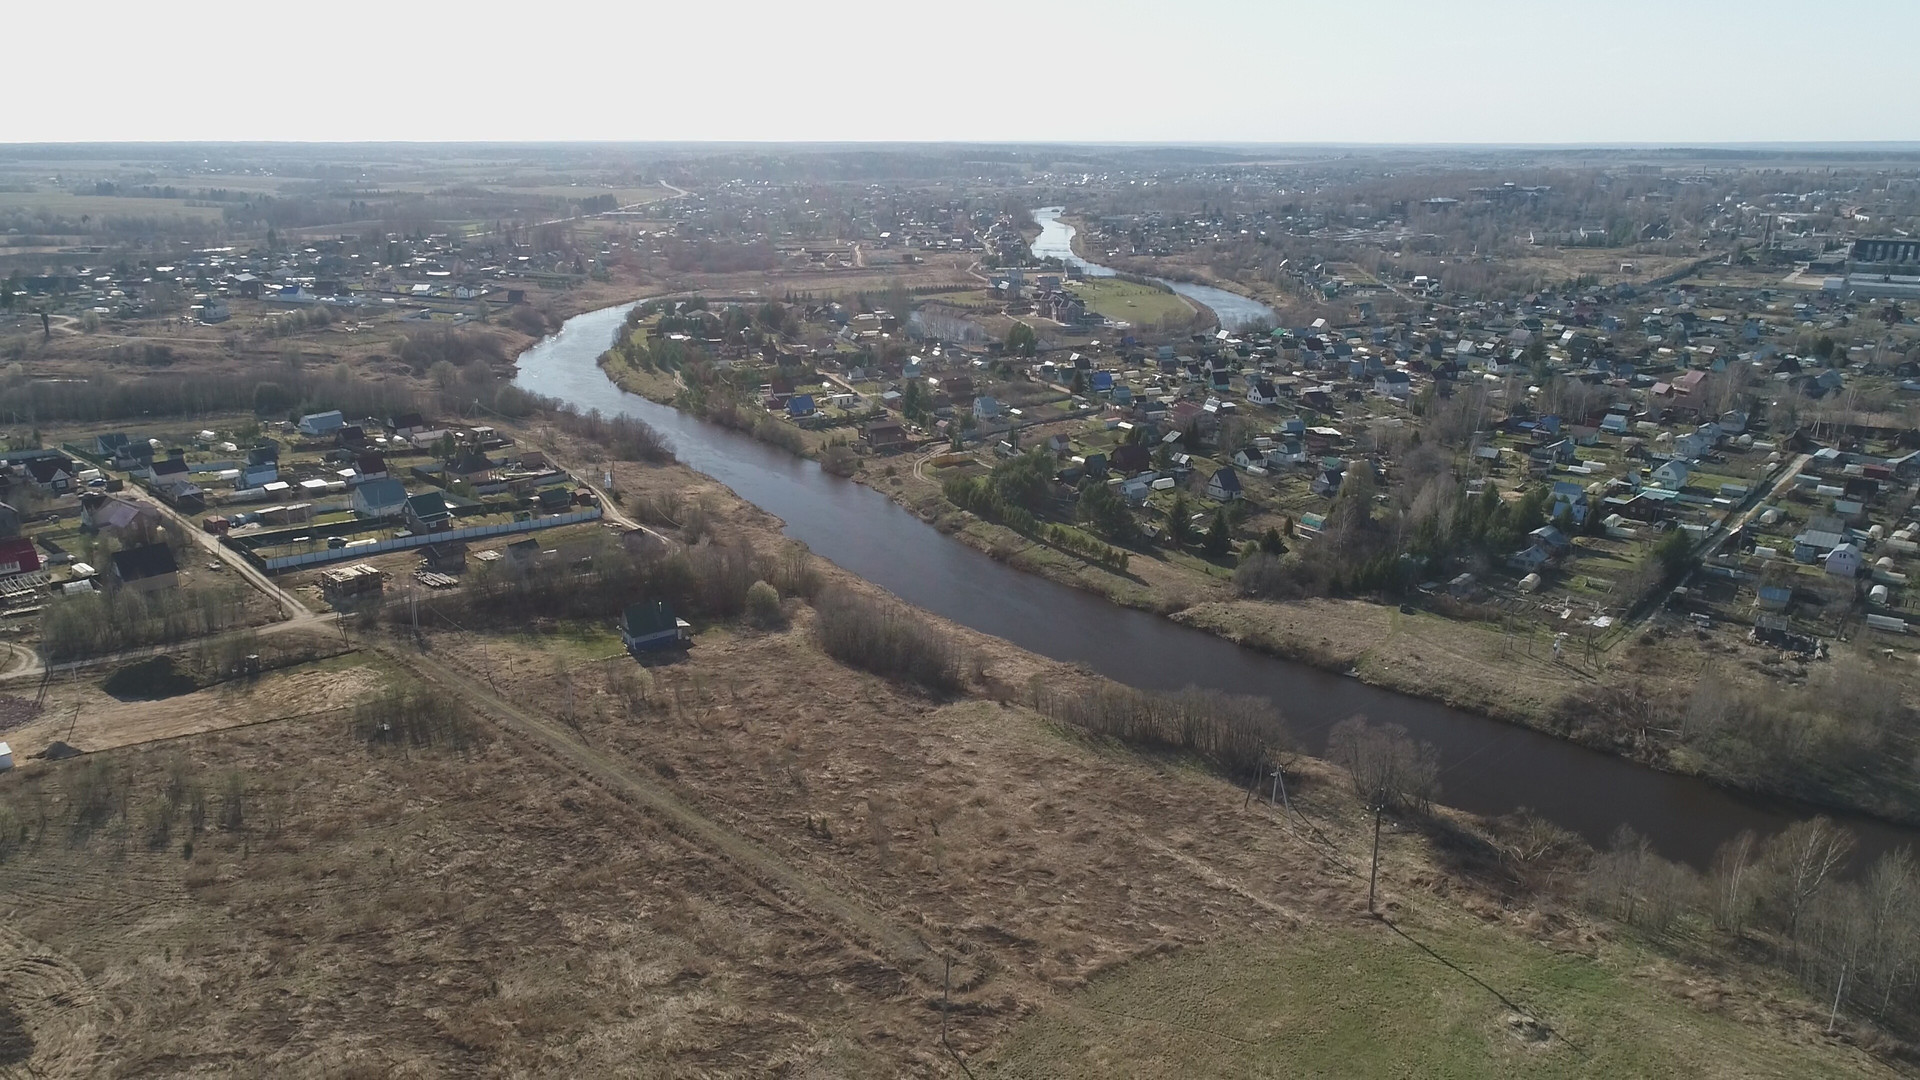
point(278, 563)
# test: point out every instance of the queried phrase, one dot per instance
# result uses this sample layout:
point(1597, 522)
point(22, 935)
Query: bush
point(763, 605)
point(413, 719)
point(888, 639)
point(775, 432)
point(1238, 734)
point(624, 437)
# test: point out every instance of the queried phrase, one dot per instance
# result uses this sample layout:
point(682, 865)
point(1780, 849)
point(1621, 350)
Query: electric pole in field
point(1373, 876)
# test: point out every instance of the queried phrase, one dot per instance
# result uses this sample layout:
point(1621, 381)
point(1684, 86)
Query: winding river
point(1056, 242)
point(1487, 766)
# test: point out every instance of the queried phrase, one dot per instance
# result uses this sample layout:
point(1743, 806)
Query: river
point(1487, 766)
point(1233, 310)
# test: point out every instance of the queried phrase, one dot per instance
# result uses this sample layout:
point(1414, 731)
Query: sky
point(1660, 72)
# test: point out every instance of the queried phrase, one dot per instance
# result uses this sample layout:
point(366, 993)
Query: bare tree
point(1390, 771)
point(1732, 882)
point(1891, 902)
point(1803, 859)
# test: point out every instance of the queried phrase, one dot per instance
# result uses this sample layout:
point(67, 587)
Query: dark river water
point(1056, 241)
point(1487, 766)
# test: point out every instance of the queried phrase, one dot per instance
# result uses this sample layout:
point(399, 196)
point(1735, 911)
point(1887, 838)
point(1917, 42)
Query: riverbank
point(1005, 832)
point(1509, 676)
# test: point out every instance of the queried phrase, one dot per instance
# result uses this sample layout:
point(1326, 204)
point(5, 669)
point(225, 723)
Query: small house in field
point(146, 569)
point(650, 626)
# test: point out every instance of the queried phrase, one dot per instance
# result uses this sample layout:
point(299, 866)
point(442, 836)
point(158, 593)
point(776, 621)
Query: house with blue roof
point(801, 405)
point(1671, 475)
point(1570, 498)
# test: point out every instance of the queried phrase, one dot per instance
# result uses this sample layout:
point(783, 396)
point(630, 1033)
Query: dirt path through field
point(898, 944)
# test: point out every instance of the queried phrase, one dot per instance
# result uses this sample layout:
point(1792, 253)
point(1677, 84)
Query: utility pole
point(1840, 987)
point(1373, 876)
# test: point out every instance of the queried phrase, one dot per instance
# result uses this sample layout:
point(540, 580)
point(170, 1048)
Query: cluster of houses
point(144, 560)
point(342, 273)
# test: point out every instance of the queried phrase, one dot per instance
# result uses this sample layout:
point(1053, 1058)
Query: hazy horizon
point(1401, 74)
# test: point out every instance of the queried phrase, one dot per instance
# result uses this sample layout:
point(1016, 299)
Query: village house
point(1844, 561)
point(651, 626)
point(18, 556)
point(315, 425)
point(1671, 475)
point(884, 435)
point(427, 512)
point(1224, 485)
point(146, 569)
point(113, 514)
point(383, 498)
point(1570, 499)
point(1397, 385)
point(53, 476)
point(406, 425)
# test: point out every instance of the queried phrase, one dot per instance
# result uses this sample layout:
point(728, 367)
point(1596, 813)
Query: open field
point(1126, 301)
point(69, 205)
point(750, 861)
point(1374, 1001)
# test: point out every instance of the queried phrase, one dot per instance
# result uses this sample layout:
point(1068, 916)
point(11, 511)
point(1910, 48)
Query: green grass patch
point(1367, 1002)
point(1127, 301)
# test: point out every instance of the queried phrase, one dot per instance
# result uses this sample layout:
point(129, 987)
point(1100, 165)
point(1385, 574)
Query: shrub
point(888, 639)
point(763, 605)
point(1236, 733)
point(412, 720)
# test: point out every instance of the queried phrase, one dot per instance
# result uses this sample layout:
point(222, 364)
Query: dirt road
point(900, 945)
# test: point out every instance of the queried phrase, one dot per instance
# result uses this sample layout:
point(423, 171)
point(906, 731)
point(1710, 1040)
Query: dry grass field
point(754, 861)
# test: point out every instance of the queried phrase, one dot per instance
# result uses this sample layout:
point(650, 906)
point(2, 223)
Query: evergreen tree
point(1219, 539)
point(1179, 521)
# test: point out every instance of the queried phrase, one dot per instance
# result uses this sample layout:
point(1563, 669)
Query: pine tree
point(1219, 539)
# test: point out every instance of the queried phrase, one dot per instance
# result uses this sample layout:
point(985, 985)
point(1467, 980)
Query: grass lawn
point(73, 206)
point(1367, 1002)
point(1124, 300)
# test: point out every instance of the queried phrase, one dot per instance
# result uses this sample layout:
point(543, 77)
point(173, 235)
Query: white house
point(1671, 475)
point(1224, 485)
point(6, 757)
point(1393, 384)
point(1844, 561)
